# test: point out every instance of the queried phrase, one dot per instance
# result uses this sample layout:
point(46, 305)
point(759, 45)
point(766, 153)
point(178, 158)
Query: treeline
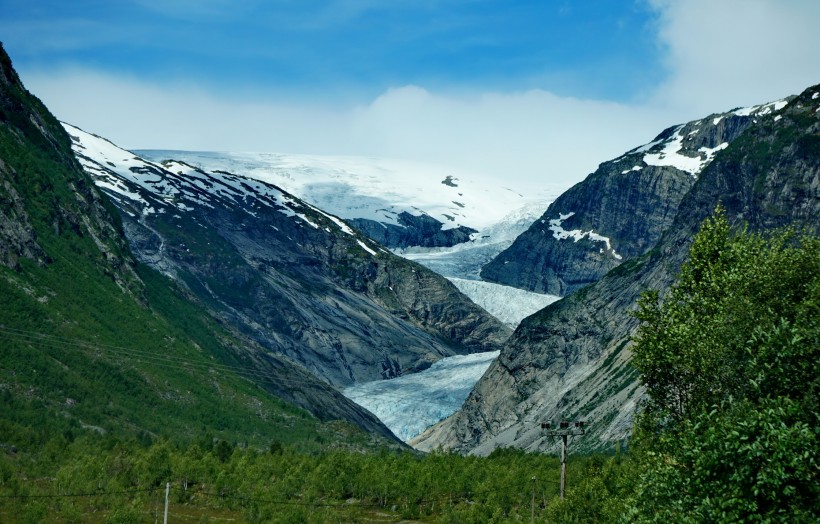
point(103, 479)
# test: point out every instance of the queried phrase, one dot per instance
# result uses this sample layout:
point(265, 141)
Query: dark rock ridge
point(422, 231)
point(299, 282)
point(619, 211)
point(77, 207)
point(571, 360)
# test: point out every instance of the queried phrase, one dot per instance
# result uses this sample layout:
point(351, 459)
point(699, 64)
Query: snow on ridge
point(559, 233)
point(763, 109)
point(371, 188)
point(112, 168)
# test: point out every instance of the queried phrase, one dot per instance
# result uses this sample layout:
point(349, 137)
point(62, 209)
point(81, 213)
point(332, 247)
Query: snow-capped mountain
point(619, 211)
point(399, 203)
point(296, 279)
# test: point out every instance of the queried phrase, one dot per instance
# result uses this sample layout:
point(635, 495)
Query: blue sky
point(541, 89)
point(350, 49)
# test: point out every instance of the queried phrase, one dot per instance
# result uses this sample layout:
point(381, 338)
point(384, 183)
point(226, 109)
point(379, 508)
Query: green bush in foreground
point(729, 360)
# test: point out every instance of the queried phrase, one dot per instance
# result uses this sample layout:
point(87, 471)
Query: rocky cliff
point(571, 360)
point(298, 281)
point(619, 211)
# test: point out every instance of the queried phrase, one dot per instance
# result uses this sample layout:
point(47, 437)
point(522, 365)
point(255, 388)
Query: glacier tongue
point(410, 404)
point(508, 304)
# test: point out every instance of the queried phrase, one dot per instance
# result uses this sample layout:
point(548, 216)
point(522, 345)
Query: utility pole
point(532, 503)
point(564, 430)
point(167, 490)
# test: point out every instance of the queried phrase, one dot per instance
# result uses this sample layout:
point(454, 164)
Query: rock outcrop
point(412, 230)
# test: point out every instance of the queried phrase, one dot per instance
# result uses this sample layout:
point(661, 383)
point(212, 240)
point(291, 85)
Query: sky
point(532, 91)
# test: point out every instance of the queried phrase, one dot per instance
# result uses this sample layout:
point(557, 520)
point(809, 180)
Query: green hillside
point(90, 341)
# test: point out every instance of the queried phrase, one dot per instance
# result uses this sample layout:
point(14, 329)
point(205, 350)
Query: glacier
point(508, 304)
point(372, 188)
point(466, 260)
point(409, 404)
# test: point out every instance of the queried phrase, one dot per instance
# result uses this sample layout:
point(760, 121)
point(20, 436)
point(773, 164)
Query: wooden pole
point(532, 504)
point(563, 464)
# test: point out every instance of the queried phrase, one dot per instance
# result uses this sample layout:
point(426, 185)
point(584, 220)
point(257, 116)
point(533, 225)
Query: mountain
point(398, 203)
point(94, 341)
point(295, 279)
point(621, 210)
point(571, 360)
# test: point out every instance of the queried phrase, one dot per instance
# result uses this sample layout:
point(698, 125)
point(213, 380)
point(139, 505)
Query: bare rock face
point(296, 280)
point(571, 360)
point(422, 230)
point(618, 212)
point(18, 238)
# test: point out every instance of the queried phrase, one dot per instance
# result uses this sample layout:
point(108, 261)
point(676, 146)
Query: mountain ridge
point(297, 280)
point(94, 341)
point(619, 211)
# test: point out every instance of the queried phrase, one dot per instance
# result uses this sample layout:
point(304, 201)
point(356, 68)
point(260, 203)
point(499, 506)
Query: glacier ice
point(411, 403)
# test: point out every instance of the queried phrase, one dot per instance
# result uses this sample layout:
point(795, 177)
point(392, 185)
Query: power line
point(88, 494)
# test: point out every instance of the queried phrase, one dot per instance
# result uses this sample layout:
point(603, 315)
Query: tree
point(729, 429)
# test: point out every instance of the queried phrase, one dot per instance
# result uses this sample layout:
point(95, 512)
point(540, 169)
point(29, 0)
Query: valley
point(270, 331)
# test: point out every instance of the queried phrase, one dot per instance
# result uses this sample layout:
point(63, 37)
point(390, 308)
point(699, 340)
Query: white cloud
point(719, 55)
point(728, 53)
point(531, 138)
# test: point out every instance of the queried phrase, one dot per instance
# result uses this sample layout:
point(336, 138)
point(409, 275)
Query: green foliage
point(729, 360)
point(123, 481)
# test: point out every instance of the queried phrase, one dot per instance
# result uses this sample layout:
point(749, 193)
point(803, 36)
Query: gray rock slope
point(619, 211)
point(572, 359)
point(299, 282)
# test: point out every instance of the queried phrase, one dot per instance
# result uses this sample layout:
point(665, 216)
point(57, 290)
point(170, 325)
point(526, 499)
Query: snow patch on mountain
point(508, 304)
point(763, 109)
point(559, 233)
point(411, 403)
point(671, 151)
